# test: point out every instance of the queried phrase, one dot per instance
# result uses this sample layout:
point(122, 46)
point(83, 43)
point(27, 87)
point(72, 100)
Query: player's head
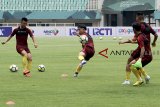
point(24, 22)
point(136, 27)
point(139, 17)
point(82, 29)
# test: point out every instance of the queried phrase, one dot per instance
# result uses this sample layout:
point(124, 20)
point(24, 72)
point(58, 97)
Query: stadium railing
point(39, 24)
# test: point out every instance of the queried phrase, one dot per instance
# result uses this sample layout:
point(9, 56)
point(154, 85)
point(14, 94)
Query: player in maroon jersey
point(87, 51)
point(143, 53)
point(147, 30)
point(22, 33)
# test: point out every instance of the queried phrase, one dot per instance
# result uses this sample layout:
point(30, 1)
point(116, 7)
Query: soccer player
point(87, 51)
point(143, 53)
point(147, 30)
point(22, 33)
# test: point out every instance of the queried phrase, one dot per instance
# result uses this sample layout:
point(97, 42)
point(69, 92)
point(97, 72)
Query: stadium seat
point(43, 5)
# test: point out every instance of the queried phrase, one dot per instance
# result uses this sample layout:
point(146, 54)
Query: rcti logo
point(102, 31)
point(93, 31)
point(51, 32)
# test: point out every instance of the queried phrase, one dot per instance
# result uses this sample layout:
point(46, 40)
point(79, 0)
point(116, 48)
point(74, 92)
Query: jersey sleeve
point(141, 41)
point(30, 33)
point(151, 30)
point(14, 32)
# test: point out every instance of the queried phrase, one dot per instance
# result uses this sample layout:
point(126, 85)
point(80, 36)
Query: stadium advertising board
point(48, 31)
point(93, 31)
point(71, 31)
point(124, 31)
point(5, 31)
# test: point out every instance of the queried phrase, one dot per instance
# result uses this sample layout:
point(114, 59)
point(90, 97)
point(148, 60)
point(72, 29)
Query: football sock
point(143, 72)
point(135, 71)
point(80, 66)
point(78, 69)
point(128, 74)
point(81, 57)
point(29, 65)
point(139, 72)
point(24, 62)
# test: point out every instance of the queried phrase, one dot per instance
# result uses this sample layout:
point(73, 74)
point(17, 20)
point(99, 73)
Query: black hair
point(139, 14)
point(24, 19)
point(82, 26)
point(136, 26)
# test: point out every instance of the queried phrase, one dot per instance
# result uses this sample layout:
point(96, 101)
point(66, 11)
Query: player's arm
point(33, 38)
point(34, 41)
point(141, 45)
point(128, 41)
point(155, 36)
point(142, 52)
point(154, 40)
point(9, 38)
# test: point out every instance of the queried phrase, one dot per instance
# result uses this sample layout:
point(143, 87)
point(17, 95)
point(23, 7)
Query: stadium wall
point(71, 31)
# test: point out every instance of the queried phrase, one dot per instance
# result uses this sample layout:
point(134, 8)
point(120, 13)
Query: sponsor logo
point(93, 31)
point(51, 32)
point(125, 31)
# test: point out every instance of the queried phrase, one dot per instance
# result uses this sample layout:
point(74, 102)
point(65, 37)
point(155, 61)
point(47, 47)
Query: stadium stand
point(50, 11)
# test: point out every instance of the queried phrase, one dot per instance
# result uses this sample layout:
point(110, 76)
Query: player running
point(142, 56)
point(22, 46)
point(147, 30)
point(87, 49)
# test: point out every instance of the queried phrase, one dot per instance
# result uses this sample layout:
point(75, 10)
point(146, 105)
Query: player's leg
point(136, 73)
point(81, 57)
point(24, 59)
point(128, 72)
point(29, 58)
point(145, 61)
point(24, 54)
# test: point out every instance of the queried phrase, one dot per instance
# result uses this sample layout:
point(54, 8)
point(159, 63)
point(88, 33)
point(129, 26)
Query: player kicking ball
point(141, 56)
point(147, 30)
point(87, 48)
point(22, 33)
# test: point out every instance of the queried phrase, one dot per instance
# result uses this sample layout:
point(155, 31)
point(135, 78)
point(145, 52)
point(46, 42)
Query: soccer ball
point(120, 38)
point(101, 38)
point(83, 39)
point(13, 68)
point(114, 38)
point(41, 68)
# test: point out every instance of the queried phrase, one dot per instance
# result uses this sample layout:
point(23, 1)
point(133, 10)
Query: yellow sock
point(25, 62)
point(143, 72)
point(78, 68)
point(140, 73)
point(81, 58)
point(29, 65)
point(135, 71)
point(128, 73)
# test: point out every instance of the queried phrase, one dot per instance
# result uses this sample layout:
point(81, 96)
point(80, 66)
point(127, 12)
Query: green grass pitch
point(98, 85)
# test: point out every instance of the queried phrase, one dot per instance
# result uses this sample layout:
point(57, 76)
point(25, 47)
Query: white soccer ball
point(41, 68)
point(114, 38)
point(83, 39)
point(120, 38)
point(13, 68)
point(101, 38)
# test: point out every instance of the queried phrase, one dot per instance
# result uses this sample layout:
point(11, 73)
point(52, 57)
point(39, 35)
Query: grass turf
point(98, 85)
